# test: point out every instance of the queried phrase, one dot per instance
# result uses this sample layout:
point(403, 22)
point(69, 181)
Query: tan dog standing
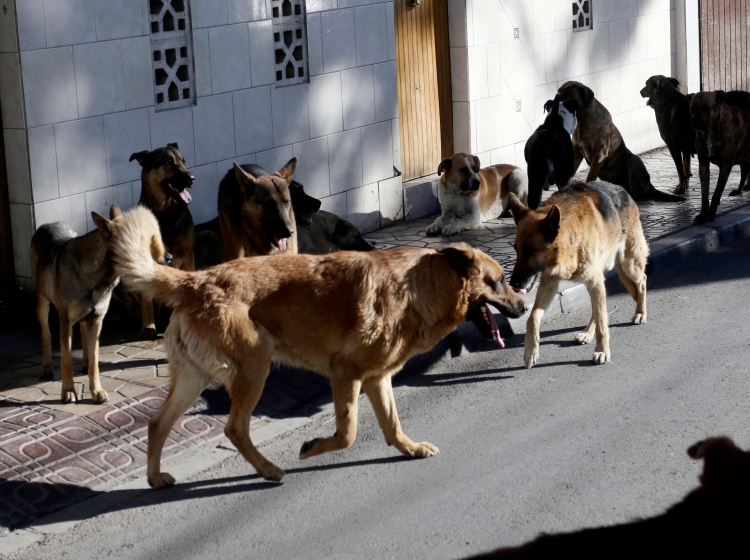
point(722, 138)
point(77, 276)
point(354, 317)
point(469, 195)
point(578, 234)
point(255, 213)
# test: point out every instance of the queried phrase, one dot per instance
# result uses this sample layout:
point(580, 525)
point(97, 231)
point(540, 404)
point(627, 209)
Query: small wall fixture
point(415, 3)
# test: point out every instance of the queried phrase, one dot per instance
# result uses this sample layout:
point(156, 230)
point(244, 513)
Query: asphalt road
point(560, 447)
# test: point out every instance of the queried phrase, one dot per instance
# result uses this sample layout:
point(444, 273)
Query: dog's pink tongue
point(281, 244)
point(495, 329)
point(521, 290)
point(184, 195)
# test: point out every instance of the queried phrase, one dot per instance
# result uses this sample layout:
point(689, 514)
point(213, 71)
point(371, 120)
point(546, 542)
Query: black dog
point(711, 522)
point(549, 152)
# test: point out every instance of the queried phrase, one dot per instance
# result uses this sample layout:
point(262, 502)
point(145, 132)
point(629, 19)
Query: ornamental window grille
point(172, 62)
point(582, 17)
point(290, 42)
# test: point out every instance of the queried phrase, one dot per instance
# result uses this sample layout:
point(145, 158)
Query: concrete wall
point(84, 103)
point(507, 80)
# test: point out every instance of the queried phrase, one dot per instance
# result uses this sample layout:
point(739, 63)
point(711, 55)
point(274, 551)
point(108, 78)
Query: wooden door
point(725, 53)
point(424, 86)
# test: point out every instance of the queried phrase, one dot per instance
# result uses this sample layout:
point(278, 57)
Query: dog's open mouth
point(529, 288)
point(280, 242)
point(485, 323)
point(182, 194)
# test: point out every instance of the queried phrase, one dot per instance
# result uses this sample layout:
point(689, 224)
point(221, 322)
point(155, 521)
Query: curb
point(666, 251)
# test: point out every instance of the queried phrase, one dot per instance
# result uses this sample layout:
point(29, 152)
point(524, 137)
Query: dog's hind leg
point(245, 390)
point(380, 393)
point(42, 313)
point(187, 383)
point(544, 296)
point(345, 400)
point(90, 331)
point(587, 334)
point(631, 267)
point(598, 294)
point(148, 330)
point(744, 172)
point(68, 391)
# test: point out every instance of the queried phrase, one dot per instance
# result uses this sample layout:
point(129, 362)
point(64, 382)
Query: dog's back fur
point(711, 522)
point(549, 154)
point(578, 234)
point(354, 317)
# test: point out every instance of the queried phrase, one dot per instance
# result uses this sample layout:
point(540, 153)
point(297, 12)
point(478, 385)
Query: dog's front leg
point(674, 151)
point(436, 227)
point(380, 392)
point(599, 315)
point(721, 182)
point(42, 313)
point(544, 296)
point(594, 171)
point(704, 172)
point(470, 222)
point(68, 393)
point(148, 330)
point(345, 400)
point(90, 331)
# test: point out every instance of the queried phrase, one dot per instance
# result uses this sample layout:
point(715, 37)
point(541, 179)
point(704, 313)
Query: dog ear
point(287, 172)
point(722, 460)
point(674, 81)
point(115, 213)
point(477, 165)
point(461, 257)
point(102, 223)
point(445, 165)
point(721, 96)
point(588, 97)
point(246, 181)
point(139, 157)
point(517, 208)
point(550, 226)
point(173, 145)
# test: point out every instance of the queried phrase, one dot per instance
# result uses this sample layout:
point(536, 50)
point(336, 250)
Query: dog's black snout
point(168, 258)
point(526, 307)
point(191, 179)
point(474, 184)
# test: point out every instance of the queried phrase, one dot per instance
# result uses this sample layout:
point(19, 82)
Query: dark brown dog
point(672, 110)
point(164, 179)
point(722, 138)
point(353, 317)
point(711, 522)
point(328, 233)
point(256, 214)
point(597, 140)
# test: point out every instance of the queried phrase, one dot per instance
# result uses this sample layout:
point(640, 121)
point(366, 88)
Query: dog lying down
point(353, 317)
point(711, 522)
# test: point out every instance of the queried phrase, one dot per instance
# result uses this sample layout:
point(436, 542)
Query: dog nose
point(191, 179)
point(168, 258)
point(526, 307)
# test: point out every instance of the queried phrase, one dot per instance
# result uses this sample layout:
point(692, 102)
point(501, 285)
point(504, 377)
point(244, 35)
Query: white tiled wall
point(498, 103)
point(81, 103)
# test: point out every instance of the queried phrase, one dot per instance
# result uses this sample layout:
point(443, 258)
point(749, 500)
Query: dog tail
point(655, 194)
point(137, 242)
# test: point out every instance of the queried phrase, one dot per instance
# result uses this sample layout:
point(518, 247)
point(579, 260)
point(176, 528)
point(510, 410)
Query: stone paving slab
point(54, 455)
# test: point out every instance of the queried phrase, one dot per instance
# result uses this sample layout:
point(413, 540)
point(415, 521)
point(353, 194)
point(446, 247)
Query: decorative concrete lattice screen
point(582, 19)
point(290, 42)
point(172, 54)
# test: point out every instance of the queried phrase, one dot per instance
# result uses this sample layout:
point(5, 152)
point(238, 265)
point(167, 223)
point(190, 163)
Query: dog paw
point(148, 333)
point(99, 396)
point(423, 450)
point(680, 189)
point(434, 229)
point(47, 372)
point(68, 396)
point(584, 337)
point(161, 480)
point(451, 230)
point(639, 319)
point(272, 473)
point(703, 218)
point(531, 357)
point(735, 192)
point(305, 451)
point(600, 358)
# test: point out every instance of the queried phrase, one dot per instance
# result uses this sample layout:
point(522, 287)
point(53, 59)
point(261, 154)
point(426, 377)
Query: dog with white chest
point(470, 196)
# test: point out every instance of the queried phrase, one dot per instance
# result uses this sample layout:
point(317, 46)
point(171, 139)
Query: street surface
point(563, 446)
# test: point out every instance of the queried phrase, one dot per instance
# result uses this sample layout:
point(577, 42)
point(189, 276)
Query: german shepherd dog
point(164, 179)
point(364, 316)
point(256, 215)
point(77, 276)
point(710, 522)
point(549, 151)
point(578, 234)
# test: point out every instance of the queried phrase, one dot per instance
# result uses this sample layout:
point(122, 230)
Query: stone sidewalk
point(54, 455)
